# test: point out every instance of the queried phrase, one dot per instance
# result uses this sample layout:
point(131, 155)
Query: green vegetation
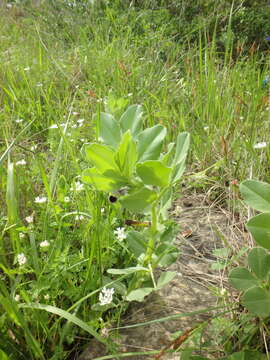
point(86, 177)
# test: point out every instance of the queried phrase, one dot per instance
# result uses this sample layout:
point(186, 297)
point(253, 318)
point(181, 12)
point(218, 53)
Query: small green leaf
point(257, 300)
point(150, 143)
point(130, 270)
point(167, 158)
point(165, 278)
point(178, 171)
point(138, 200)
point(109, 130)
point(259, 262)
point(139, 294)
point(182, 146)
point(101, 156)
point(259, 226)
point(153, 172)
point(132, 119)
point(126, 155)
point(242, 279)
point(256, 194)
point(136, 243)
point(102, 182)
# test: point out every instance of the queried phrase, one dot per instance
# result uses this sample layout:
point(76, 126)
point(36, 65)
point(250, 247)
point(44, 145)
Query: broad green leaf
point(102, 182)
point(259, 262)
point(165, 278)
point(247, 355)
point(138, 200)
point(66, 315)
point(132, 119)
point(130, 270)
point(126, 155)
point(167, 254)
point(259, 226)
point(150, 143)
point(153, 172)
point(139, 294)
point(242, 279)
point(178, 171)
point(167, 157)
point(182, 145)
point(256, 194)
point(257, 300)
point(101, 156)
point(136, 243)
point(3, 355)
point(109, 130)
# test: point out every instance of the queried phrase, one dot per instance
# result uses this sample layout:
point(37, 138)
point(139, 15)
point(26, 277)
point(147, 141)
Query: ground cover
point(60, 65)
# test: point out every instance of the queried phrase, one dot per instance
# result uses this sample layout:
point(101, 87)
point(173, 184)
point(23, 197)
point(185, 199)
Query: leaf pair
point(255, 298)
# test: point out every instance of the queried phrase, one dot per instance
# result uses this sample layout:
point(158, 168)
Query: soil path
point(202, 230)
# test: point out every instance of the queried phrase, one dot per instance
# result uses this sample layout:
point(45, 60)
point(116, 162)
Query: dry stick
point(176, 343)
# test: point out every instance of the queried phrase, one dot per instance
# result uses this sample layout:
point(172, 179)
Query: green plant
point(255, 283)
point(130, 165)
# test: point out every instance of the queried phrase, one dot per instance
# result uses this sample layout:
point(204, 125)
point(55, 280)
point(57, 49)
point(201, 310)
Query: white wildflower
point(74, 126)
point(44, 243)
point(106, 296)
point(260, 145)
point(30, 219)
point(79, 217)
point(53, 126)
point(129, 94)
point(9, 6)
point(21, 258)
point(80, 121)
point(21, 235)
point(66, 199)
point(39, 84)
point(27, 68)
point(75, 113)
point(40, 199)
point(47, 297)
point(78, 186)
point(120, 234)
point(33, 148)
point(17, 297)
point(102, 210)
point(21, 162)
point(18, 121)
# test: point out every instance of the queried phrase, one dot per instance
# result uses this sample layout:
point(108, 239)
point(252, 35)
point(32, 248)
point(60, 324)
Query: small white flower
point(44, 243)
point(82, 140)
point(27, 68)
point(39, 84)
point(17, 297)
point(47, 297)
point(79, 217)
point(40, 199)
point(102, 210)
point(53, 126)
point(33, 148)
point(120, 234)
point(74, 126)
point(260, 145)
point(66, 199)
point(18, 121)
point(78, 186)
point(29, 219)
point(129, 94)
point(21, 235)
point(80, 121)
point(223, 292)
point(21, 162)
point(75, 113)
point(9, 5)
point(106, 296)
point(206, 128)
point(21, 258)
